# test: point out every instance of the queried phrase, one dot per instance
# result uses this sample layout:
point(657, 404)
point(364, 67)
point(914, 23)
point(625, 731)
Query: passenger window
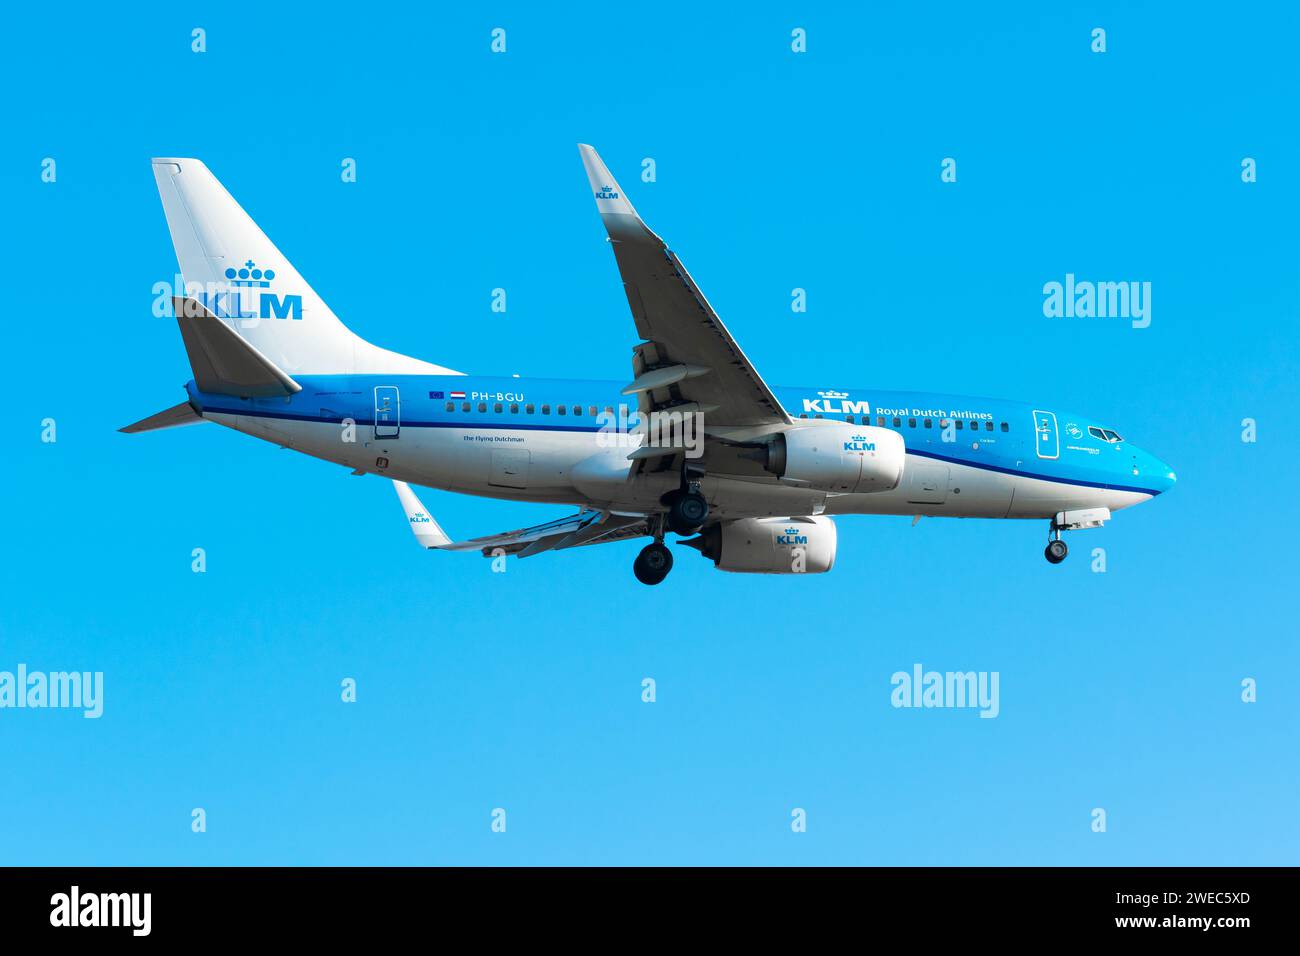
point(911, 423)
point(1006, 427)
point(898, 422)
point(464, 407)
point(577, 409)
point(880, 421)
point(451, 406)
point(928, 423)
point(529, 409)
point(803, 414)
point(546, 409)
point(591, 410)
point(482, 406)
point(849, 419)
point(514, 408)
point(988, 426)
point(959, 424)
point(819, 416)
point(609, 410)
point(561, 409)
point(497, 408)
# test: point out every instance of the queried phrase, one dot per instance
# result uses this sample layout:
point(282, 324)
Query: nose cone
point(1153, 473)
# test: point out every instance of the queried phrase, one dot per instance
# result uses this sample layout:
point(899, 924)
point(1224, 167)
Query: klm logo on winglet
point(791, 536)
point(245, 301)
point(420, 518)
point(859, 443)
point(606, 192)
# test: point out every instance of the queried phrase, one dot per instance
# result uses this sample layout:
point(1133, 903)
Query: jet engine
point(837, 456)
point(769, 545)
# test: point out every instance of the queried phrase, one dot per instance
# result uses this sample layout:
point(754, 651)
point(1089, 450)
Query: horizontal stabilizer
point(174, 417)
point(222, 361)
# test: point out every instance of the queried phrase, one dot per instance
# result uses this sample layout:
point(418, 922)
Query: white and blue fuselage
point(557, 441)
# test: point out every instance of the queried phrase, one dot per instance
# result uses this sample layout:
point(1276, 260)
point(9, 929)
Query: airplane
point(696, 444)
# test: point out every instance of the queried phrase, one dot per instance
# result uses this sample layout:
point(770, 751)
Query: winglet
point(611, 202)
point(425, 529)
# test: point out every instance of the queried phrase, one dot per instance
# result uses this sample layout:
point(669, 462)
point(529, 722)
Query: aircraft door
point(388, 411)
point(1047, 442)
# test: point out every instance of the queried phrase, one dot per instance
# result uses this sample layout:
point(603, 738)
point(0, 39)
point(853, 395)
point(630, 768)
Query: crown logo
point(791, 530)
point(833, 394)
point(249, 275)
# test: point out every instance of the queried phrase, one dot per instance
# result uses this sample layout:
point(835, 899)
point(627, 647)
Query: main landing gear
point(687, 511)
point(687, 508)
point(686, 514)
point(653, 563)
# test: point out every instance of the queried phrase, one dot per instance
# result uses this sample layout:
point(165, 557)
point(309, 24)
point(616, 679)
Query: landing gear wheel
point(1056, 551)
point(653, 563)
point(687, 511)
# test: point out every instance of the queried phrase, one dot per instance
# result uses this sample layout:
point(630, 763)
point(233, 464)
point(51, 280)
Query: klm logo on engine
point(859, 443)
point(248, 296)
point(835, 403)
point(791, 536)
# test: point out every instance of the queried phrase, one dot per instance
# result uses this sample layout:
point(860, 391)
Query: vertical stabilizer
point(237, 274)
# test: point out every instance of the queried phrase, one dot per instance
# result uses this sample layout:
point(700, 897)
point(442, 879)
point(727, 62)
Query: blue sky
point(522, 690)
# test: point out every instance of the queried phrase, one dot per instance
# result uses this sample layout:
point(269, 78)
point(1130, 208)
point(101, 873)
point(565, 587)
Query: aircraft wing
point(586, 527)
point(687, 356)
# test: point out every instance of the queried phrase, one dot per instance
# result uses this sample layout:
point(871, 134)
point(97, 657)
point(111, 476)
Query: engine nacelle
point(770, 545)
point(837, 456)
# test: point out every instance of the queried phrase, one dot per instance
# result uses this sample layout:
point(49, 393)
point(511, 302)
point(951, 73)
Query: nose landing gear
point(1056, 550)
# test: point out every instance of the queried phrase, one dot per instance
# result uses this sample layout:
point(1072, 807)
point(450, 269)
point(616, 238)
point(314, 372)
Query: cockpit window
point(1104, 434)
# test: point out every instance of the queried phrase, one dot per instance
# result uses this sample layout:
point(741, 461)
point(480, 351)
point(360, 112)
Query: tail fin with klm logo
point(238, 275)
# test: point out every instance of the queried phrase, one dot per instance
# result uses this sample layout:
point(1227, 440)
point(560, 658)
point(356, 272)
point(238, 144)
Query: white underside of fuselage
point(572, 468)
